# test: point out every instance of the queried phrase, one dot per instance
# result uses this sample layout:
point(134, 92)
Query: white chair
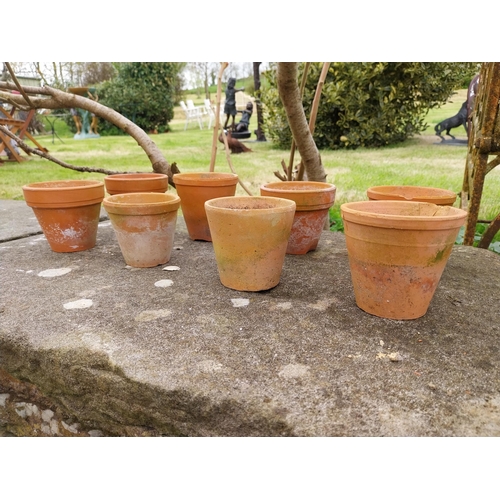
point(191, 114)
point(200, 109)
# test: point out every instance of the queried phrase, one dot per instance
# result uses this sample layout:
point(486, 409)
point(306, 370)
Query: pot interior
point(247, 203)
point(410, 193)
point(401, 209)
point(131, 199)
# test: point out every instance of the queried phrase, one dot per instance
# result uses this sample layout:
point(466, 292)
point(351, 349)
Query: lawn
point(419, 161)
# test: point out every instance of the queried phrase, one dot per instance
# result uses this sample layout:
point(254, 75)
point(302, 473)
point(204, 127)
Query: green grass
point(418, 161)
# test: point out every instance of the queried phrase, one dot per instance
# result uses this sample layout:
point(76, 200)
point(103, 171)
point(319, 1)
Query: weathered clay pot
point(250, 235)
point(144, 224)
point(412, 193)
point(67, 211)
point(313, 200)
point(136, 183)
point(397, 253)
point(194, 189)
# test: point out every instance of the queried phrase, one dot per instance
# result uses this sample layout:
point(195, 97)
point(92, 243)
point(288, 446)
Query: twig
point(228, 157)
point(38, 152)
point(279, 175)
point(283, 166)
point(18, 85)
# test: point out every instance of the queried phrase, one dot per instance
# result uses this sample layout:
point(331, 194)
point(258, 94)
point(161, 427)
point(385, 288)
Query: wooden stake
point(223, 66)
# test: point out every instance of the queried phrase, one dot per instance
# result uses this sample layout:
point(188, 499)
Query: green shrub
point(367, 104)
point(142, 92)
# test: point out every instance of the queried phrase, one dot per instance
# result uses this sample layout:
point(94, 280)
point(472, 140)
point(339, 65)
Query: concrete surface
point(193, 358)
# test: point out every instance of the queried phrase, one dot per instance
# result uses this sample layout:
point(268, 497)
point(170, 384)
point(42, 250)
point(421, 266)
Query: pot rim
point(277, 204)
point(308, 195)
point(61, 194)
point(152, 203)
point(66, 184)
point(133, 176)
point(371, 213)
point(301, 186)
point(205, 179)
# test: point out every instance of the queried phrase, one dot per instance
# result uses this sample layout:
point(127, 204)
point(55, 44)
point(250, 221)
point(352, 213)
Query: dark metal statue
point(230, 104)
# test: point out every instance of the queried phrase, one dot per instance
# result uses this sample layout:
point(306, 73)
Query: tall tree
point(97, 72)
point(202, 73)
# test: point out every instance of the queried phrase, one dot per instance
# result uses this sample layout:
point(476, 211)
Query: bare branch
point(57, 99)
point(280, 176)
point(45, 155)
point(18, 85)
point(228, 157)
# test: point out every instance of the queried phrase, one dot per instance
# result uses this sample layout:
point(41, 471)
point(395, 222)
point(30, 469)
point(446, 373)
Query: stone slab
point(160, 352)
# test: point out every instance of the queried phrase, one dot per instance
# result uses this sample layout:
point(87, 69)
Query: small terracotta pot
point(250, 235)
point(313, 200)
point(144, 225)
point(412, 193)
point(136, 183)
point(194, 190)
point(397, 253)
point(68, 212)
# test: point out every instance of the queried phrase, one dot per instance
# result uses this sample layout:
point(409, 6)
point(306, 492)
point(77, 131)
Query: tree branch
point(38, 152)
point(57, 99)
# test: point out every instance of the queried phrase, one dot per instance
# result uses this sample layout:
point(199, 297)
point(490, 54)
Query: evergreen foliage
point(368, 104)
point(143, 92)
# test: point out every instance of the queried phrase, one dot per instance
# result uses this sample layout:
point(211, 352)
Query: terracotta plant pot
point(397, 253)
point(68, 212)
point(194, 190)
point(412, 193)
point(250, 235)
point(144, 224)
point(313, 200)
point(136, 183)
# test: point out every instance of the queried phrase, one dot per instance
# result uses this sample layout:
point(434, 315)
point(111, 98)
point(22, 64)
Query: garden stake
point(228, 157)
point(223, 66)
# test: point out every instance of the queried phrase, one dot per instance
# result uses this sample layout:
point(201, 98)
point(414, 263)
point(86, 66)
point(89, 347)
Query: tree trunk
point(290, 97)
point(260, 118)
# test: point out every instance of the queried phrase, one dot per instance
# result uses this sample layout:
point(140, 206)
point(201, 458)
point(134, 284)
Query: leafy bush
point(143, 92)
point(367, 104)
